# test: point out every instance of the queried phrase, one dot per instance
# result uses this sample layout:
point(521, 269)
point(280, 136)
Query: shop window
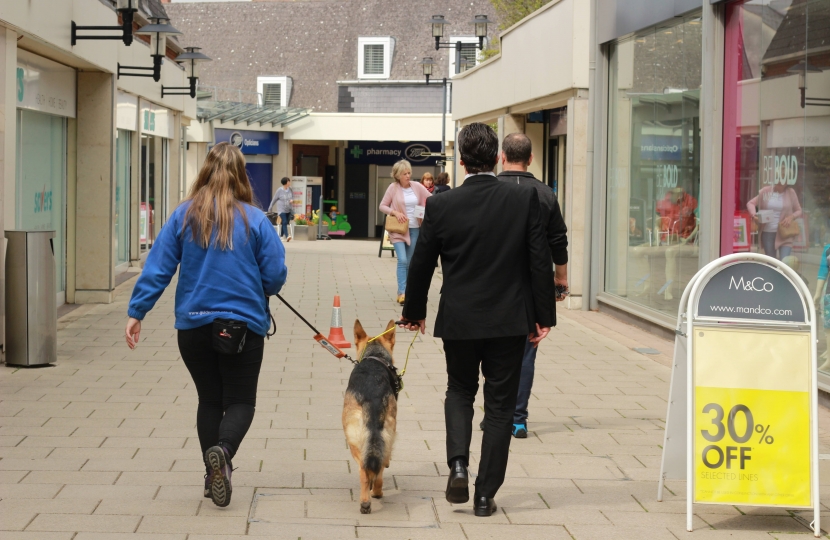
point(275, 92)
point(469, 52)
point(374, 57)
point(653, 174)
point(776, 149)
point(40, 182)
point(122, 196)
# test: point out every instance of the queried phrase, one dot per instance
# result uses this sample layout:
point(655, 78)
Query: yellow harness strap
point(403, 371)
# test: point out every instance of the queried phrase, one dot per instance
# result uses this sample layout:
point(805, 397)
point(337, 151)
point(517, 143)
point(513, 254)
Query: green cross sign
point(356, 151)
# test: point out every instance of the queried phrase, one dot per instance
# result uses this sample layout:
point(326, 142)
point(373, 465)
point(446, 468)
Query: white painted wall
point(369, 127)
point(546, 53)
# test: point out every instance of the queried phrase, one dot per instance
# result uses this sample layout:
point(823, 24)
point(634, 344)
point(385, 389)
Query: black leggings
point(226, 386)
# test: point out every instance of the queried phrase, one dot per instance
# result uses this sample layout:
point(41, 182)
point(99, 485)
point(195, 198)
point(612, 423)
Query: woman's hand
point(401, 217)
point(786, 221)
point(132, 332)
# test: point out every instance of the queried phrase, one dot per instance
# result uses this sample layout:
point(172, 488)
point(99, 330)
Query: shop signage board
point(742, 421)
point(45, 86)
point(250, 142)
point(126, 111)
point(300, 194)
point(155, 120)
point(390, 152)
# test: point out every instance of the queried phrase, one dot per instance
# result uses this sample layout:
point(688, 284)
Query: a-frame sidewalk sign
point(742, 420)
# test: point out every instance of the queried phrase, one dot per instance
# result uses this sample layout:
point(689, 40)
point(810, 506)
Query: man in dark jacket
point(516, 157)
point(498, 289)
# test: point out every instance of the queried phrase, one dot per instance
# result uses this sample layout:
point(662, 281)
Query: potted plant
point(302, 229)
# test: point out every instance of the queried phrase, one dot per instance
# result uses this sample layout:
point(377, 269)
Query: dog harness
point(396, 380)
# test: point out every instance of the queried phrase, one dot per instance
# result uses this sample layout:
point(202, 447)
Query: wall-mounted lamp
point(802, 69)
point(158, 30)
point(126, 8)
point(437, 24)
point(191, 59)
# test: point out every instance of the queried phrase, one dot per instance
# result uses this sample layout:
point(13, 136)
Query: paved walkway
point(103, 445)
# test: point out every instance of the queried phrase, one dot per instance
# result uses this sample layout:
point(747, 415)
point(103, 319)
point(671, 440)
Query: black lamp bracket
point(155, 70)
point(458, 45)
point(812, 102)
point(126, 29)
point(180, 90)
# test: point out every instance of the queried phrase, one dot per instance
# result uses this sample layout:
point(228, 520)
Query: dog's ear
point(360, 337)
point(388, 340)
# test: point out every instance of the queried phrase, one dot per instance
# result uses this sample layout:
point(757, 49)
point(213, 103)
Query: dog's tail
point(375, 449)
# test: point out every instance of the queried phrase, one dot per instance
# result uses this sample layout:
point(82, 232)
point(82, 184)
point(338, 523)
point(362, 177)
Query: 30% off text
point(713, 455)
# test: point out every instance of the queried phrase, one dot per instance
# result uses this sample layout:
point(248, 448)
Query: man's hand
point(132, 332)
point(541, 333)
point(414, 325)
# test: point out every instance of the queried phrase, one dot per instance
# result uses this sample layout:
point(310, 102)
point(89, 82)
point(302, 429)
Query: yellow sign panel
point(752, 417)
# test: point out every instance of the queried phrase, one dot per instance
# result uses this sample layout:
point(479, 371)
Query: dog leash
point(319, 338)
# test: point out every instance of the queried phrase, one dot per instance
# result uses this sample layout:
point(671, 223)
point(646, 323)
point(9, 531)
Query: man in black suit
point(498, 289)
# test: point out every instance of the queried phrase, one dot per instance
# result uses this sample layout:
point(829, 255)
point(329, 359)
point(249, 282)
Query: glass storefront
point(40, 180)
point(776, 140)
point(122, 197)
point(653, 175)
point(148, 190)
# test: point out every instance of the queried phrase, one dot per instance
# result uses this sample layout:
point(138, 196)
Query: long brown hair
point(219, 191)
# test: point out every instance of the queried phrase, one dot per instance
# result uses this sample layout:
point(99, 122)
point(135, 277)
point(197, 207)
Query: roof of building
point(315, 41)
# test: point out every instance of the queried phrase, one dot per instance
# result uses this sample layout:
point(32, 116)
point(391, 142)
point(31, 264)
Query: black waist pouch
point(228, 336)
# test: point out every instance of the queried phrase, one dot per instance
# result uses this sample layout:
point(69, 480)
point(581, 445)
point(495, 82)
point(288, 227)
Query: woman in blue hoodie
point(230, 259)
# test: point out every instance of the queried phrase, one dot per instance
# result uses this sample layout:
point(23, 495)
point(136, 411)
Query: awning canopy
point(232, 111)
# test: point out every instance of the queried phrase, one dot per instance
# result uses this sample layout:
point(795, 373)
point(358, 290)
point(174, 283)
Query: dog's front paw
point(366, 507)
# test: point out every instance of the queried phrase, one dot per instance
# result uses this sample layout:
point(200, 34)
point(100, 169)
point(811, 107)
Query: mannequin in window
point(678, 211)
point(822, 300)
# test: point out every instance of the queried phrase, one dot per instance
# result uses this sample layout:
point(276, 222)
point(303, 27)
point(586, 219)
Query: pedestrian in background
point(497, 290)
point(428, 182)
point(442, 183)
point(229, 258)
point(283, 198)
point(516, 157)
point(401, 200)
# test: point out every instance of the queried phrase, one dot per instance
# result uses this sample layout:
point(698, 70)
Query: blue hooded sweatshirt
point(214, 283)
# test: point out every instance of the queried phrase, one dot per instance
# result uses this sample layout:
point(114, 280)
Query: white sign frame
point(45, 86)
point(678, 442)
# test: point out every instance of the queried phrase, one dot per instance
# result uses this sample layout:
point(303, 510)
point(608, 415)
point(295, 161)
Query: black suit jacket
point(498, 279)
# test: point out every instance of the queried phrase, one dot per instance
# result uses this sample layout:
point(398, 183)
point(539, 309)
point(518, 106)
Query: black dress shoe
point(485, 506)
point(457, 485)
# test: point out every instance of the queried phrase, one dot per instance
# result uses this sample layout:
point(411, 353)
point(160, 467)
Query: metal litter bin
point(31, 302)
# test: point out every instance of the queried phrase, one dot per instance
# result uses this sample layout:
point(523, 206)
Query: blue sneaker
point(520, 431)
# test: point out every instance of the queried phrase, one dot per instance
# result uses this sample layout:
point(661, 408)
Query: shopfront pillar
point(8, 59)
point(95, 174)
point(576, 182)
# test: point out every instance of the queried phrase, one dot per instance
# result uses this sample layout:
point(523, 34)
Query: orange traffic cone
point(336, 336)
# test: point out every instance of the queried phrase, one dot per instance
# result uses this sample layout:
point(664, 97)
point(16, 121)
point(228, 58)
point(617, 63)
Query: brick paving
point(103, 445)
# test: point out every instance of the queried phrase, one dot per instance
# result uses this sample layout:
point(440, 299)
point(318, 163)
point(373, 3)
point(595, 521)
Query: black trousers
point(501, 364)
point(226, 385)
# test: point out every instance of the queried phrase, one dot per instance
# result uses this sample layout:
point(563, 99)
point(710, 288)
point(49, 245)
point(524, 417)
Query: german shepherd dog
point(370, 409)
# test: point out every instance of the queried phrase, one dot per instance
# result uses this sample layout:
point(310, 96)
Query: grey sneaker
point(219, 481)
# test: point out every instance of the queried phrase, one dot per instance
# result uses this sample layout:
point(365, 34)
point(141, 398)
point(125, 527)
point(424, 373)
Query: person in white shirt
point(283, 199)
point(401, 200)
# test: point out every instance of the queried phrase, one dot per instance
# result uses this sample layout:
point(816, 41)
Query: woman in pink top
point(781, 204)
point(401, 200)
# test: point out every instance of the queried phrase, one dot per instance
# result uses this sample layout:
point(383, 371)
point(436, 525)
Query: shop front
point(156, 129)
point(776, 139)
point(369, 174)
point(45, 102)
point(704, 155)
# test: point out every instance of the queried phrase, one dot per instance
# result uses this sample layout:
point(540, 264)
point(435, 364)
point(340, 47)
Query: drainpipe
point(593, 95)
